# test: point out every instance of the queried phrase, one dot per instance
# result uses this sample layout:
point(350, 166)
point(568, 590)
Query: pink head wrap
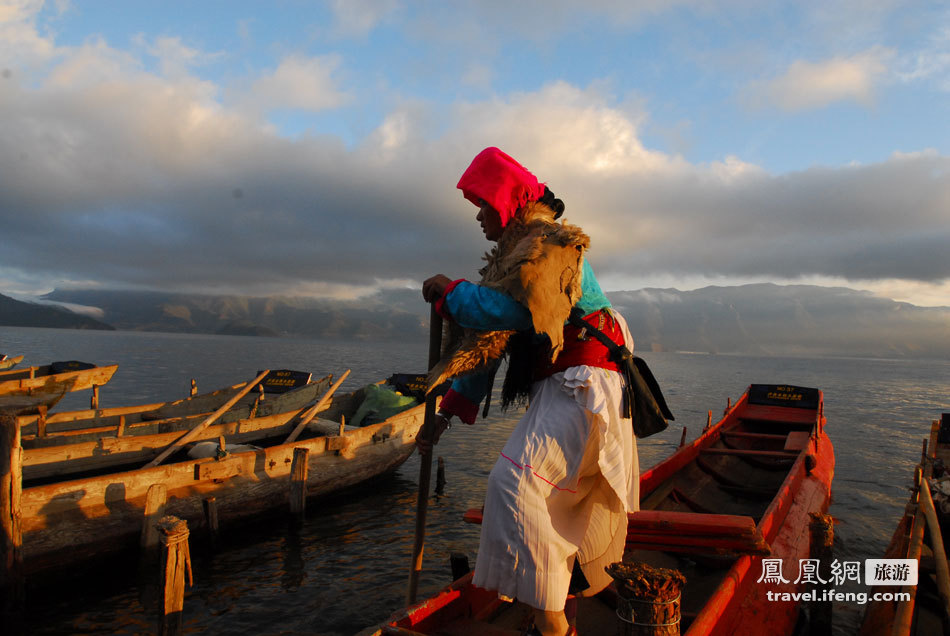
point(500, 181)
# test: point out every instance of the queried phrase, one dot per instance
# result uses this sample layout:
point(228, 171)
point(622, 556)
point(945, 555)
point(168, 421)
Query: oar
point(309, 415)
point(425, 461)
point(193, 433)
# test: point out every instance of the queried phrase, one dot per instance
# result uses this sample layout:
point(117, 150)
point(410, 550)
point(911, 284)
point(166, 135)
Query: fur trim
point(538, 263)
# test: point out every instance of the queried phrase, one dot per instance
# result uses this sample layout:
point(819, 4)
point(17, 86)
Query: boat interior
point(700, 511)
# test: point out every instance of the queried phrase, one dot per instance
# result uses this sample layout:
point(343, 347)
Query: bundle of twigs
point(642, 581)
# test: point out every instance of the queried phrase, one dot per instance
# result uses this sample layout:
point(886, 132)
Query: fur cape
point(537, 262)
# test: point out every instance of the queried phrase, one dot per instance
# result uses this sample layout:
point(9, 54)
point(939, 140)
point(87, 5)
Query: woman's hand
point(442, 424)
point(434, 287)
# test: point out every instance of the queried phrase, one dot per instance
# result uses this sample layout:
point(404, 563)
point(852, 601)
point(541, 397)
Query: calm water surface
point(347, 566)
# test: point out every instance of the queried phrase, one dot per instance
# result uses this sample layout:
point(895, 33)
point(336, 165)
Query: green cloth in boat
point(381, 402)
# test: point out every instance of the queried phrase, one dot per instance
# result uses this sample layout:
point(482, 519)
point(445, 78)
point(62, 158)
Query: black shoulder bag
point(642, 400)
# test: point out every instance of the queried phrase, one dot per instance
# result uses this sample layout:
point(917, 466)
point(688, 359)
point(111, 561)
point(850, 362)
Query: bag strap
point(629, 364)
point(618, 353)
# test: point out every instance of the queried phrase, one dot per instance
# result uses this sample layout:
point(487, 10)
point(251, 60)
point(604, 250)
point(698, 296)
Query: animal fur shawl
point(537, 262)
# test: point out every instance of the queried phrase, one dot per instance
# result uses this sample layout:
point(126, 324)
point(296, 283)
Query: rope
point(173, 534)
point(626, 602)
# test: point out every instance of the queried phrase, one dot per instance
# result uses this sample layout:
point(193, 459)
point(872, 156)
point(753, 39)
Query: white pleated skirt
point(560, 490)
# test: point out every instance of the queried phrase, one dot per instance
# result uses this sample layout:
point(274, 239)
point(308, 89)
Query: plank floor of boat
point(716, 484)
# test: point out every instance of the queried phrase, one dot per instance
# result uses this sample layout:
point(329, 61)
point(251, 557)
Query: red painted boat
point(716, 510)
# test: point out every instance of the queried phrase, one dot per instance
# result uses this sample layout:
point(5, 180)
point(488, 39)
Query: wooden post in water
point(41, 420)
point(440, 477)
point(822, 533)
point(11, 536)
point(210, 505)
point(94, 401)
point(708, 421)
point(194, 387)
point(683, 437)
point(176, 560)
point(298, 482)
point(155, 500)
point(648, 598)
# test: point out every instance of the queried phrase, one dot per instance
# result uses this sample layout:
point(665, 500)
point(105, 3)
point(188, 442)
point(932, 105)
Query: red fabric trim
point(440, 303)
point(533, 472)
point(454, 403)
point(587, 352)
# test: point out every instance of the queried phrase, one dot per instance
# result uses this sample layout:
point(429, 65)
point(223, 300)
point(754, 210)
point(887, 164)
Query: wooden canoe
point(924, 612)
point(70, 521)
point(6, 362)
point(277, 383)
point(109, 448)
point(26, 390)
point(714, 509)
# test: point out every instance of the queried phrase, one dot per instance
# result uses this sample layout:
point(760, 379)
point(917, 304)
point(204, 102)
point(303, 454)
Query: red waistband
point(587, 351)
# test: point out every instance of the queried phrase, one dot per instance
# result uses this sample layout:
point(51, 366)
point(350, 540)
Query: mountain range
point(761, 319)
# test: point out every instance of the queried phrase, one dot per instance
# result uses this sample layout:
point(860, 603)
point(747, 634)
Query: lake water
point(347, 566)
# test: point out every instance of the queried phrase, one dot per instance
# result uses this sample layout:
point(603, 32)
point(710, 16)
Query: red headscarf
point(500, 181)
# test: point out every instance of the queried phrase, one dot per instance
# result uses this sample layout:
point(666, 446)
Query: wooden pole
point(309, 415)
point(298, 482)
point(175, 562)
point(936, 538)
point(210, 505)
point(822, 532)
point(194, 388)
point(440, 477)
point(904, 615)
point(683, 437)
point(11, 536)
point(41, 420)
point(94, 401)
point(425, 461)
point(193, 433)
point(155, 500)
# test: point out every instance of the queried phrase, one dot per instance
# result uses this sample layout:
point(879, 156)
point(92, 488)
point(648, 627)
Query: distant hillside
point(379, 317)
point(15, 313)
point(783, 320)
point(761, 319)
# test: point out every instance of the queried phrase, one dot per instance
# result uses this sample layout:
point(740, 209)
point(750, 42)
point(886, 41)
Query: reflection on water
point(347, 565)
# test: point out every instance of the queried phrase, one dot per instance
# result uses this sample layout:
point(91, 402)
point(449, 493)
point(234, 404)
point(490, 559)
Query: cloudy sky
point(308, 148)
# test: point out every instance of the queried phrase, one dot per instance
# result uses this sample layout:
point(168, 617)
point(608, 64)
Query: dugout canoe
point(741, 492)
point(27, 390)
point(269, 397)
point(68, 522)
point(110, 448)
point(926, 610)
point(6, 362)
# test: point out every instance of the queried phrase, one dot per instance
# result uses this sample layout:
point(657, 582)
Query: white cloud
point(298, 83)
point(21, 45)
point(931, 62)
point(813, 85)
point(359, 17)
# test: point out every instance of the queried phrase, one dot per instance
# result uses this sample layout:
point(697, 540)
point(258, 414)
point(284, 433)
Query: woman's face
point(490, 221)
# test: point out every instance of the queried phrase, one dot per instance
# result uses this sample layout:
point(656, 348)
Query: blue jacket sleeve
point(477, 307)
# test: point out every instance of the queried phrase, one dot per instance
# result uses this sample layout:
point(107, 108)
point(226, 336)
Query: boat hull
point(71, 521)
point(25, 391)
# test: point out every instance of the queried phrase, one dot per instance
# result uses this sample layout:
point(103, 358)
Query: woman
point(558, 495)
